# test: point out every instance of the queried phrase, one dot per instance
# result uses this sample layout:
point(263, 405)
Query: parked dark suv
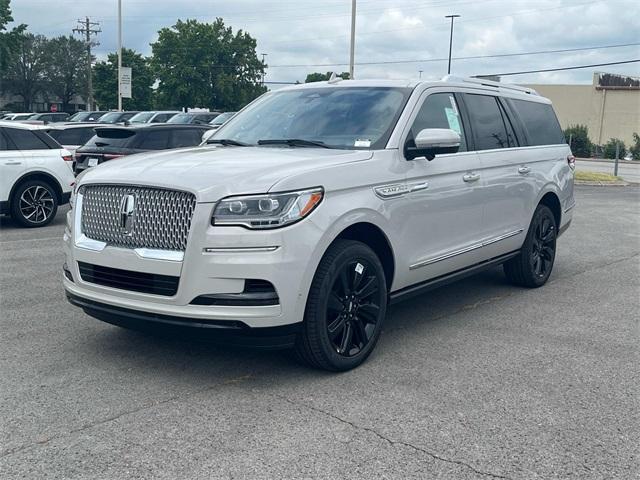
point(116, 141)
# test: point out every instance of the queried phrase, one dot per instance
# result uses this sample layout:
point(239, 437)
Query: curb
point(607, 160)
point(605, 184)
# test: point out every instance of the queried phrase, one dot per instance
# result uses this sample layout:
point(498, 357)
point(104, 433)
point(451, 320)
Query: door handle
point(471, 177)
point(523, 170)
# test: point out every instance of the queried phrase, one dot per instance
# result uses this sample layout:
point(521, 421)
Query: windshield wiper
point(227, 142)
point(293, 142)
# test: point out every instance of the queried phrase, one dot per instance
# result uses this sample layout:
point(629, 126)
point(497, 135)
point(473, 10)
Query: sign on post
point(125, 82)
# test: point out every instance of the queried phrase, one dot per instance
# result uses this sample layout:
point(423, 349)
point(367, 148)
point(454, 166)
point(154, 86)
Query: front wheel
point(533, 265)
point(345, 309)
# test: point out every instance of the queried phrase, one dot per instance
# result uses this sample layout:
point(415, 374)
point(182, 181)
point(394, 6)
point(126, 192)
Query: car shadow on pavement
point(196, 362)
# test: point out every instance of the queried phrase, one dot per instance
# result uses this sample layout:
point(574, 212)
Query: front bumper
point(232, 333)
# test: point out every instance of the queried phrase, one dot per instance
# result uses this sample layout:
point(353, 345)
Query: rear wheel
point(34, 204)
point(345, 309)
point(533, 265)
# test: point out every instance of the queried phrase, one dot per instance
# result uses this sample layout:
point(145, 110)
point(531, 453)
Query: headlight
point(267, 211)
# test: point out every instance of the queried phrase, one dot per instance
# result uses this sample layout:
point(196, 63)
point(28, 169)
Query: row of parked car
point(39, 161)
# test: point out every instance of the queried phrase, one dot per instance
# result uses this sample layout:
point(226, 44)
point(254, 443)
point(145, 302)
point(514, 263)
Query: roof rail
point(489, 83)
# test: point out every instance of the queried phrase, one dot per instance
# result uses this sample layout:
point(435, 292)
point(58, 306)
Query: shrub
point(580, 145)
point(610, 148)
point(635, 148)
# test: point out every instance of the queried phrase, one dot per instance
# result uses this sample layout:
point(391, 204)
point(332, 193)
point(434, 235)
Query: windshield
point(142, 117)
point(181, 118)
point(111, 117)
point(339, 117)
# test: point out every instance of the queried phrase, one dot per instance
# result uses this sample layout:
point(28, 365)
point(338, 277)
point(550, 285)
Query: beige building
point(609, 107)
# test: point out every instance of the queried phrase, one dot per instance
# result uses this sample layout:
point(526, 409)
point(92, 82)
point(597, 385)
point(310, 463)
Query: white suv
point(35, 174)
point(320, 205)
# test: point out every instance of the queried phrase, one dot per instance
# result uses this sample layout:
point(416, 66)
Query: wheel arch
point(37, 175)
point(551, 200)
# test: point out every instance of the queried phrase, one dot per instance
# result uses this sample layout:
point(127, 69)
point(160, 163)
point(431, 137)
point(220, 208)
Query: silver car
point(316, 206)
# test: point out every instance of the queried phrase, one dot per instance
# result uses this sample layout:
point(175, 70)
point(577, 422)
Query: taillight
point(571, 160)
point(67, 158)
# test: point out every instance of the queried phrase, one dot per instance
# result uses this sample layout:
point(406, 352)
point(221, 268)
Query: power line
point(562, 68)
point(472, 57)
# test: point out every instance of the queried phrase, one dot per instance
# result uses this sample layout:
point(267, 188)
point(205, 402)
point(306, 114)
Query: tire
point(345, 308)
point(533, 265)
point(34, 204)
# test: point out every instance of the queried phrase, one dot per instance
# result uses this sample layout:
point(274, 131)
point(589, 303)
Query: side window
point(25, 139)
point(488, 123)
point(162, 118)
point(540, 121)
point(511, 134)
point(3, 142)
point(186, 137)
point(66, 137)
point(156, 140)
point(439, 110)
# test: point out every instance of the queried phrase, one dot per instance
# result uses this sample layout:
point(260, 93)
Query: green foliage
point(66, 68)
point(8, 38)
point(581, 146)
point(26, 73)
point(206, 65)
point(105, 82)
point(635, 148)
point(609, 150)
point(323, 77)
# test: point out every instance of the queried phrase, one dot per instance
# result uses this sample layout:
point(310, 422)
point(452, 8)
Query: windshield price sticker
point(362, 142)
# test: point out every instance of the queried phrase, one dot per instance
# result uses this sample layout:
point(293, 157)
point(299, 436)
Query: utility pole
point(450, 39)
point(119, 54)
point(353, 38)
point(87, 28)
point(263, 64)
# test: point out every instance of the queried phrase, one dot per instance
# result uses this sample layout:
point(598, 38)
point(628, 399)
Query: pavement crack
point(43, 441)
point(391, 441)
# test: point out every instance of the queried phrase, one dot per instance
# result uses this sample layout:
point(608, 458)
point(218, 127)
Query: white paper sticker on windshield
point(452, 119)
point(362, 142)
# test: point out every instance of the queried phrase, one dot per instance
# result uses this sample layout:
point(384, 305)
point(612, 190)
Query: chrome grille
point(161, 218)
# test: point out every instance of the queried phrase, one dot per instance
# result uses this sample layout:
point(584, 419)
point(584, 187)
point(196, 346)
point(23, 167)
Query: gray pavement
point(629, 171)
point(474, 380)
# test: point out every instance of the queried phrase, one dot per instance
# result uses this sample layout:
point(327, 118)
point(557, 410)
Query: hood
point(216, 172)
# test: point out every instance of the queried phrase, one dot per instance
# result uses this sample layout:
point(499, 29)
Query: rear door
point(506, 189)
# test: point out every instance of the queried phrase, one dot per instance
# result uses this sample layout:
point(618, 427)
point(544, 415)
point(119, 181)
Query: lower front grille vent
point(128, 280)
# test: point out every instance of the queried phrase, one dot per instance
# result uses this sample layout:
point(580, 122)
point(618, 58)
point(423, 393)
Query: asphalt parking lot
point(474, 380)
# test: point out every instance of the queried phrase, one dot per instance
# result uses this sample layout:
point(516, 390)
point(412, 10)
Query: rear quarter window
point(540, 122)
point(25, 139)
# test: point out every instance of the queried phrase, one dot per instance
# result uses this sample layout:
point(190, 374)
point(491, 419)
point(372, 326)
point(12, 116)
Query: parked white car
point(317, 206)
point(17, 116)
point(153, 117)
point(35, 174)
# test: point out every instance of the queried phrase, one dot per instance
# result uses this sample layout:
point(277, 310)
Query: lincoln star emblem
point(127, 213)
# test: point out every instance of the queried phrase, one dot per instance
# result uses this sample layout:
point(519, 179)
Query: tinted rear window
point(156, 140)
point(186, 137)
point(540, 121)
point(25, 139)
point(488, 122)
point(72, 136)
point(113, 138)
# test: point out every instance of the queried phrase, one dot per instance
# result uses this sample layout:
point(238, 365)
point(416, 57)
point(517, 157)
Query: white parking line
point(59, 237)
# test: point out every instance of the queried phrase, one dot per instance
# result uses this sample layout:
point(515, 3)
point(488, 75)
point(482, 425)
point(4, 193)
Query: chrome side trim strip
point(210, 250)
point(570, 207)
point(399, 189)
point(470, 248)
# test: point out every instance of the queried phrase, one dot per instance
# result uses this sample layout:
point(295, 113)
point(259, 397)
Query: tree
point(580, 145)
point(66, 68)
point(610, 148)
point(206, 65)
point(25, 74)
point(635, 148)
point(105, 81)
point(323, 77)
point(8, 39)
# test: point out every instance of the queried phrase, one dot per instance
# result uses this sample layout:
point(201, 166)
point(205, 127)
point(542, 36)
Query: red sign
point(54, 107)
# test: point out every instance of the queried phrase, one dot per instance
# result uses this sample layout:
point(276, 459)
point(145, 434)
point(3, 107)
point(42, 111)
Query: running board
point(419, 288)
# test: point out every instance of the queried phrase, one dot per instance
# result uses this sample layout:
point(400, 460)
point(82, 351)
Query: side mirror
point(433, 141)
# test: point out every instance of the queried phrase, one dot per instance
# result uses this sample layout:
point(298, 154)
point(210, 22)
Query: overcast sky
point(316, 32)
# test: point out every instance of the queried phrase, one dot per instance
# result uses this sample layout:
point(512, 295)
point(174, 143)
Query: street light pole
point(450, 40)
point(353, 38)
point(119, 54)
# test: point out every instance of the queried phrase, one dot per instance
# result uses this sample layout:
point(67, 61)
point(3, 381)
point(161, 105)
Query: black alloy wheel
point(34, 204)
point(345, 308)
point(533, 265)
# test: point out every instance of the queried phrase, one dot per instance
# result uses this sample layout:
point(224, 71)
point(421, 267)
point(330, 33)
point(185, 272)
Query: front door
point(443, 212)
